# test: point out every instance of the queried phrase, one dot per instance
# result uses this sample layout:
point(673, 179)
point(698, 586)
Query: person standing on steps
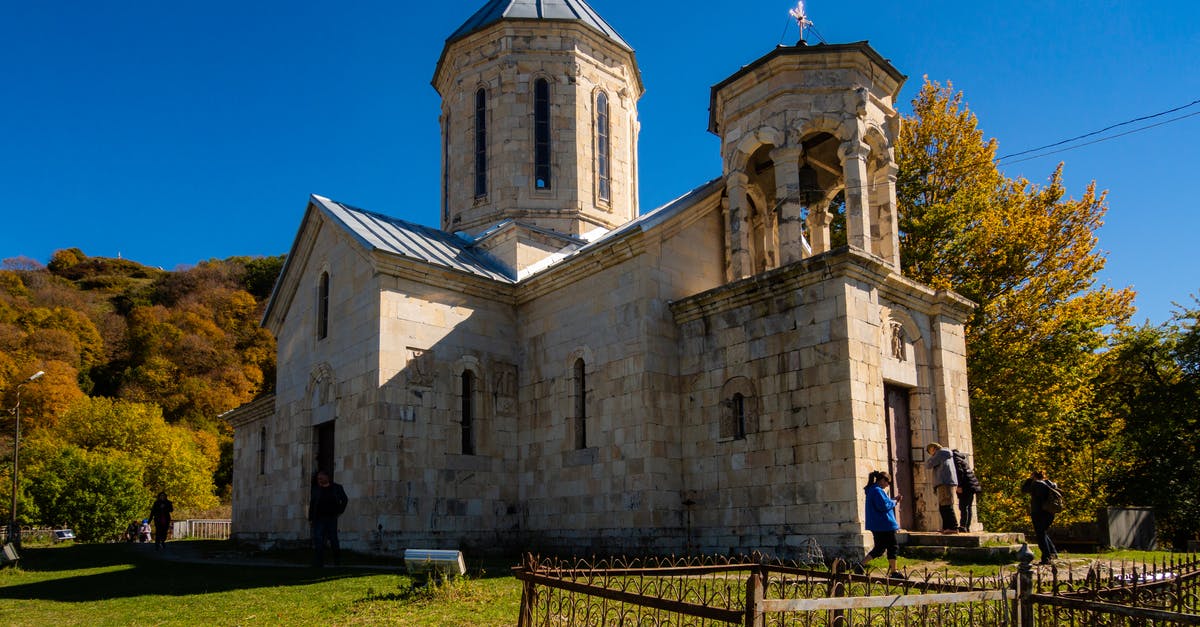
point(881, 522)
point(326, 502)
point(945, 483)
point(968, 487)
point(1040, 490)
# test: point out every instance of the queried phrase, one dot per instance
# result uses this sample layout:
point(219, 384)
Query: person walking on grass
point(160, 513)
point(945, 483)
point(881, 522)
point(1041, 491)
point(327, 502)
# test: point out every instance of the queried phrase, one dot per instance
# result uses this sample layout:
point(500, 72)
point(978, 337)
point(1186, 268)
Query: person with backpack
point(968, 487)
point(1045, 500)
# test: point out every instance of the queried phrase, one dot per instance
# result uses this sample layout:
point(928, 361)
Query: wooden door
point(900, 463)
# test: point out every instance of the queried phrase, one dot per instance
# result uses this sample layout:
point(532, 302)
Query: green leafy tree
point(1149, 390)
point(94, 493)
point(168, 457)
point(1026, 254)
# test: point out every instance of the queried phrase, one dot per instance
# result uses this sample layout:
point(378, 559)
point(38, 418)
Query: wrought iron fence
point(1165, 592)
point(748, 590)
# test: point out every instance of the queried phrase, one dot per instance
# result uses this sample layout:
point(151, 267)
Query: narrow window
point(541, 133)
point(739, 416)
point(446, 173)
point(323, 307)
point(480, 143)
point(262, 451)
point(602, 150)
point(468, 412)
point(580, 406)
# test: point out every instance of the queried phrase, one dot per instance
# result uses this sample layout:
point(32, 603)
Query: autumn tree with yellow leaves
point(1027, 255)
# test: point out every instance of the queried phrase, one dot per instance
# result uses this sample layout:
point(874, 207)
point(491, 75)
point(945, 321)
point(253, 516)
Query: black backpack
point(966, 477)
point(1054, 499)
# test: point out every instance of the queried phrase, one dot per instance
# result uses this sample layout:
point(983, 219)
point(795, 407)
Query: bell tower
point(800, 127)
point(539, 120)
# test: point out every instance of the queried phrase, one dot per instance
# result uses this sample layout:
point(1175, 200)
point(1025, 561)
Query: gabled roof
point(433, 246)
point(496, 10)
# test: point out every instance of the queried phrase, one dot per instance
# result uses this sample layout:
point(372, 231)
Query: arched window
point(541, 133)
point(480, 143)
point(468, 412)
point(323, 306)
point(580, 406)
point(738, 411)
point(603, 178)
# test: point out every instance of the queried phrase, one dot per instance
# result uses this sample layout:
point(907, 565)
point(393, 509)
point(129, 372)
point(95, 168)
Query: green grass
point(119, 584)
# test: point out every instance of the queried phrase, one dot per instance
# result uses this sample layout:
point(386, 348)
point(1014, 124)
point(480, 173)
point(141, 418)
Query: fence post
point(1024, 587)
point(755, 593)
point(525, 619)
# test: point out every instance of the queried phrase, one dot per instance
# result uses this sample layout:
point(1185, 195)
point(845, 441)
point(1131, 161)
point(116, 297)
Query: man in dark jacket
point(1038, 487)
point(327, 502)
point(968, 487)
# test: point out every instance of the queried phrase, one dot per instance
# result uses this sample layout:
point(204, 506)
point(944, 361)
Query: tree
point(1148, 390)
point(96, 494)
point(1027, 256)
point(166, 457)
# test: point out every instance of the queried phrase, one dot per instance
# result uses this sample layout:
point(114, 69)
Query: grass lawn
point(121, 584)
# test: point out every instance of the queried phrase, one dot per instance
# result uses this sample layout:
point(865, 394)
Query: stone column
point(887, 218)
point(818, 226)
point(741, 263)
point(787, 194)
point(854, 169)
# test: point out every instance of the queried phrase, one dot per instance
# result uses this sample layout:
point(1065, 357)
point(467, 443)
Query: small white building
point(553, 370)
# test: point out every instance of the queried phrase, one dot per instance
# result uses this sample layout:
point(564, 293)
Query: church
point(553, 369)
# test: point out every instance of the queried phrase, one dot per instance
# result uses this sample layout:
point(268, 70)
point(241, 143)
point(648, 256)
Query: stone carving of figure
point(420, 367)
point(898, 342)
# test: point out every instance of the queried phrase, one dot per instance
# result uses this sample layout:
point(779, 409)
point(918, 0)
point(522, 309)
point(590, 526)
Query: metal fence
point(201, 529)
point(748, 590)
point(1161, 593)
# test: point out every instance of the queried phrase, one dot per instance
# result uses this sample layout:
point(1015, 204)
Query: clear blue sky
point(173, 132)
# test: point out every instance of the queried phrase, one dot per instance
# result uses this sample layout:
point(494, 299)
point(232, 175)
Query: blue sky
point(169, 133)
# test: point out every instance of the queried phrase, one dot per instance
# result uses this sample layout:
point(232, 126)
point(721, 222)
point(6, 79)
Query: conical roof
point(577, 10)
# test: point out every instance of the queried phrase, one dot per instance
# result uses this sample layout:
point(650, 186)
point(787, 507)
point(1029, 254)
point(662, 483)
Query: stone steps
point(972, 546)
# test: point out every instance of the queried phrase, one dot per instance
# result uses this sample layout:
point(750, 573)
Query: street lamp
point(14, 530)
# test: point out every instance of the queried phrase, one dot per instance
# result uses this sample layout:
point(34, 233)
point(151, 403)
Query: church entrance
point(324, 445)
point(900, 463)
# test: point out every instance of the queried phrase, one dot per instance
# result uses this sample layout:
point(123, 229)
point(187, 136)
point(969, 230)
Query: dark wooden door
point(900, 463)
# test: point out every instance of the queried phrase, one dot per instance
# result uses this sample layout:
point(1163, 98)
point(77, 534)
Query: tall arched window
point(738, 410)
point(323, 306)
point(480, 143)
point(580, 406)
point(604, 181)
point(541, 133)
point(468, 412)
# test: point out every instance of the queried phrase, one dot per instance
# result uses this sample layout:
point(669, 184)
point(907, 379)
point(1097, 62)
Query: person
point(131, 532)
point(881, 522)
point(327, 502)
point(968, 487)
point(144, 531)
point(160, 513)
point(945, 482)
point(1037, 486)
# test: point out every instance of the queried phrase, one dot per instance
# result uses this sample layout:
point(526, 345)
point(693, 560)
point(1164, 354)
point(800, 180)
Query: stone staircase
point(974, 546)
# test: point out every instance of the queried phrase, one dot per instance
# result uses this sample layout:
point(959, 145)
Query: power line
point(1096, 141)
point(1103, 130)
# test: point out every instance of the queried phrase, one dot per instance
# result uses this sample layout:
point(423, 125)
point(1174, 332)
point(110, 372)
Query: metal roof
point(577, 10)
point(405, 239)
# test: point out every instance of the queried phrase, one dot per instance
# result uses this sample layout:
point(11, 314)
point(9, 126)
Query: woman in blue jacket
point(881, 520)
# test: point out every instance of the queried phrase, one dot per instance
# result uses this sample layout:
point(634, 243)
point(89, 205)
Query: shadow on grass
point(128, 572)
